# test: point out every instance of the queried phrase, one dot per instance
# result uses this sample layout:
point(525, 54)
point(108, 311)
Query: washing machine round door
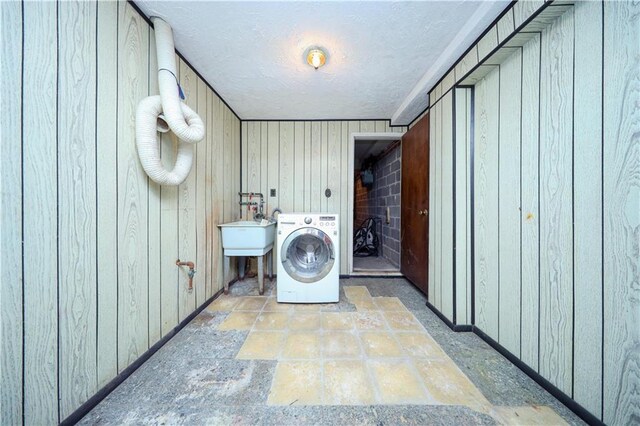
point(307, 255)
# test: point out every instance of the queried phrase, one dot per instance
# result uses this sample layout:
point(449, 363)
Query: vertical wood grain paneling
point(335, 175)
point(133, 59)
point(316, 167)
point(509, 202)
point(253, 158)
point(307, 166)
point(486, 203)
point(298, 165)
point(437, 118)
point(621, 201)
point(324, 165)
point(100, 238)
point(169, 252)
point(200, 168)
point(530, 240)
point(77, 224)
point(264, 161)
point(211, 263)
point(273, 167)
point(345, 256)
point(107, 208)
point(40, 205)
point(219, 191)
point(187, 204)
point(433, 256)
point(462, 123)
point(11, 223)
point(446, 164)
point(587, 243)
point(154, 221)
point(505, 26)
point(556, 233)
point(287, 167)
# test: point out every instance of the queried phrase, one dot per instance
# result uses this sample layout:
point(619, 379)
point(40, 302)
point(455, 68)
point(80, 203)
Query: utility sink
point(247, 237)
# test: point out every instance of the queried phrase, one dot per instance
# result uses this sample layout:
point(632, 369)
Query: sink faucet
point(273, 213)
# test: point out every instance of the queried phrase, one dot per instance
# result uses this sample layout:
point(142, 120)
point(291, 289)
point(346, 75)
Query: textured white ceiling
point(382, 56)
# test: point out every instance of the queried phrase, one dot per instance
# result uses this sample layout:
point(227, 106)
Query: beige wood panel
point(273, 172)
point(253, 158)
point(77, 255)
point(467, 63)
point(187, 206)
point(487, 43)
point(522, 10)
point(446, 163)
point(316, 167)
point(287, 167)
point(133, 60)
point(274, 176)
point(40, 248)
point(219, 193)
point(509, 202)
point(11, 222)
point(244, 160)
point(448, 81)
point(469, 205)
point(461, 160)
point(433, 256)
point(437, 122)
point(621, 212)
point(107, 213)
point(587, 193)
point(169, 238)
point(505, 25)
point(200, 165)
point(530, 188)
point(264, 160)
point(344, 202)
point(154, 221)
point(298, 164)
point(486, 203)
point(335, 173)
point(211, 263)
point(307, 166)
point(556, 271)
point(324, 164)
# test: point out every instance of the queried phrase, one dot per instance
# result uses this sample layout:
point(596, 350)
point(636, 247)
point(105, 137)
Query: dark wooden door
point(414, 225)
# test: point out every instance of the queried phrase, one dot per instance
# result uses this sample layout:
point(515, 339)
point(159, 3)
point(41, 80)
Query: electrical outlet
point(273, 192)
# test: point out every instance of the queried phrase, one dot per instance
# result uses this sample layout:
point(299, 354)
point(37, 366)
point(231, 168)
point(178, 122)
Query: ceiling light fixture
point(316, 57)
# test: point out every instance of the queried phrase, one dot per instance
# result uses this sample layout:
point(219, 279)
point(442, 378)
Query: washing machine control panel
point(307, 220)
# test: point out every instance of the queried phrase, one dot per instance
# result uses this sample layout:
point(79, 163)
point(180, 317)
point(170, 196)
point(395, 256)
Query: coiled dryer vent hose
point(161, 113)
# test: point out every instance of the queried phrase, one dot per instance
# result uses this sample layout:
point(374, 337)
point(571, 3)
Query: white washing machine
point(308, 258)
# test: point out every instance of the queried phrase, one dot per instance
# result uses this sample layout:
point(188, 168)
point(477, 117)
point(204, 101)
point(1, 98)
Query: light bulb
point(315, 60)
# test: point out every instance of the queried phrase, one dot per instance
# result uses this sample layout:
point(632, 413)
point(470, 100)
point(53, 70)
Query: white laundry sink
point(247, 238)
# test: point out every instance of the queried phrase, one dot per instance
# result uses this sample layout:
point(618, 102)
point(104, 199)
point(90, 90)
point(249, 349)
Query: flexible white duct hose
point(154, 113)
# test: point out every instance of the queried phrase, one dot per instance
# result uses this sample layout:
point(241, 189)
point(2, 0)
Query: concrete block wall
point(374, 201)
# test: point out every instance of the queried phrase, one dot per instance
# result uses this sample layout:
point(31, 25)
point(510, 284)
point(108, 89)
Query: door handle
point(423, 212)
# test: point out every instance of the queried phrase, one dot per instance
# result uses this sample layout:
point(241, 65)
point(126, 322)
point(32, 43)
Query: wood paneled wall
point(449, 212)
point(557, 212)
point(300, 159)
point(89, 243)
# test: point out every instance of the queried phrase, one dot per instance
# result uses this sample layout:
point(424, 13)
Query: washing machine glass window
point(308, 255)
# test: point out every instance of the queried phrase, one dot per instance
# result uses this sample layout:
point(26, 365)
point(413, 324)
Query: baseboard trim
point(571, 404)
point(565, 399)
point(84, 409)
point(447, 321)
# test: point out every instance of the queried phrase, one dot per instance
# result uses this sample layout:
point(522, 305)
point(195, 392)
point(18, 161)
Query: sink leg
point(225, 273)
point(242, 265)
point(261, 275)
point(270, 264)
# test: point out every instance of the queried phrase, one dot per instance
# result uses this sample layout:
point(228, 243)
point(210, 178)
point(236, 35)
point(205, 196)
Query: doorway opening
point(375, 197)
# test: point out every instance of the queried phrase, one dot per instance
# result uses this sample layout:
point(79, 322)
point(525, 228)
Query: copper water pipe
point(191, 273)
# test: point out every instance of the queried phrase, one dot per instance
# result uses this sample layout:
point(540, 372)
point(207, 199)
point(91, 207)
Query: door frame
point(360, 136)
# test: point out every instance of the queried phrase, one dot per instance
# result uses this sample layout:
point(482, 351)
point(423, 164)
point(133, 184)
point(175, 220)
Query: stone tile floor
point(379, 356)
